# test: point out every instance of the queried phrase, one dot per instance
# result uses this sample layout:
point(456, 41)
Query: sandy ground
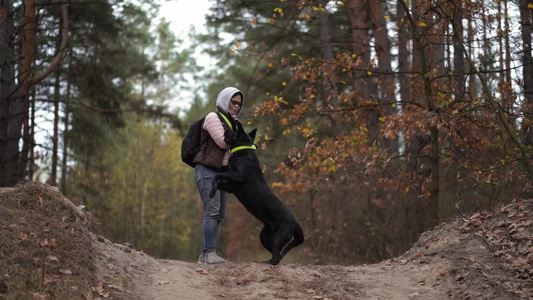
point(168, 279)
point(458, 260)
point(51, 250)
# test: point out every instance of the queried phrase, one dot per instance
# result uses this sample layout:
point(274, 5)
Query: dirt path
point(49, 250)
point(471, 258)
point(181, 280)
point(169, 279)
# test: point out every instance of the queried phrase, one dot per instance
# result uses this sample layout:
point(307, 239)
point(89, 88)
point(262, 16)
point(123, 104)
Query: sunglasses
point(239, 104)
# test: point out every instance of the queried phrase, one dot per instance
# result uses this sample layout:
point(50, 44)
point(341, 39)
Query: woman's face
point(235, 104)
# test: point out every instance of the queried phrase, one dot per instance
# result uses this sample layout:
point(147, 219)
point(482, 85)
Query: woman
point(211, 160)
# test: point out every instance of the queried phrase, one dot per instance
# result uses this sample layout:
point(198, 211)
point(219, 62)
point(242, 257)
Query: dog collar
point(252, 147)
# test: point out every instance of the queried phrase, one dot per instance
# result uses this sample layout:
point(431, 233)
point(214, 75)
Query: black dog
point(246, 180)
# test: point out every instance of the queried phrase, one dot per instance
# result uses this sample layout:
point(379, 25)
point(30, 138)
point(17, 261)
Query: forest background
point(377, 119)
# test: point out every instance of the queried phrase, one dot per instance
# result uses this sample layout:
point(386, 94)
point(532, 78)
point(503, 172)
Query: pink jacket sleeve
point(213, 125)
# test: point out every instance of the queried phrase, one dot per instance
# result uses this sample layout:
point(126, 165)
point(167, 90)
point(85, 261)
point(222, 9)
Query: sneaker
point(212, 258)
point(201, 259)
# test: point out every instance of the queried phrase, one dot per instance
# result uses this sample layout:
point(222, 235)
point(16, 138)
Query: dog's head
point(239, 137)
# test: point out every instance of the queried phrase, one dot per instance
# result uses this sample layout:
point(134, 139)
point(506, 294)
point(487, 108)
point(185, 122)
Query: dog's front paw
point(229, 136)
point(273, 262)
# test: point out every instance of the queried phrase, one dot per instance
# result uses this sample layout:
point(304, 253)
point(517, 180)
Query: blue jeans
point(214, 208)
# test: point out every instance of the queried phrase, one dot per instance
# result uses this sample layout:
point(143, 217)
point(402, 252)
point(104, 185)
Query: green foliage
point(146, 196)
point(123, 70)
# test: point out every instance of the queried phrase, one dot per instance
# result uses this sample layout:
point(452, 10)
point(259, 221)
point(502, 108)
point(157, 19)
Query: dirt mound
point(489, 256)
point(50, 249)
point(45, 250)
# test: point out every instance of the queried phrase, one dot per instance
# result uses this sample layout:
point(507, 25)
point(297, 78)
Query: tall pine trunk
point(526, 18)
point(16, 107)
point(7, 81)
point(385, 78)
point(20, 105)
point(330, 86)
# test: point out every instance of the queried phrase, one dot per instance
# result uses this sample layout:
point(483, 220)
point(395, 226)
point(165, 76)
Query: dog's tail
point(298, 235)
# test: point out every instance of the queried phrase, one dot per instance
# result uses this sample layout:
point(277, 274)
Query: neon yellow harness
point(252, 147)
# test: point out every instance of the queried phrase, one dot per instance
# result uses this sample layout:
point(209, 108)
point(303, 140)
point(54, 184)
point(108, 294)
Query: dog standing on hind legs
point(245, 179)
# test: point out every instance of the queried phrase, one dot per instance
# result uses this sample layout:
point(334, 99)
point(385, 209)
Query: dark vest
point(210, 154)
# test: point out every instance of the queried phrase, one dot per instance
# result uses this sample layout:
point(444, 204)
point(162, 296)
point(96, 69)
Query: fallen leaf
point(37, 296)
point(99, 288)
point(416, 255)
point(519, 262)
point(53, 258)
point(48, 279)
point(116, 287)
point(23, 236)
point(48, 243)
point(202, 271)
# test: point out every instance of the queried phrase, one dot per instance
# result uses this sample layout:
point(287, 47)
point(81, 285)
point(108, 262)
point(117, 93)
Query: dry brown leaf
point(416, 255)
point(53, 258)
point(66, 272)
point(99, 288)
point(202, 271)
point(23, 236)
point(48, 279)
point(116, 287)
point(519, 262)
point(38, 296)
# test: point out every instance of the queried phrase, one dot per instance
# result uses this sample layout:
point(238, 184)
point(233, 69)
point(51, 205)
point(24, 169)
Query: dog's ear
point(252, 134)
point(240, 129)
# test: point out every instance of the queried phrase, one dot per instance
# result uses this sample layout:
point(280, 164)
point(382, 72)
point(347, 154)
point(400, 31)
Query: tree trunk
point(472, 79)
point(359, 44)
point(526, 18)
point(55, 137)
point(385, 79)
point(31, 137)
point(16, 168)
point(20, 105)
point(330, 86)
point(65, 130)
point(6, 82)
point(420, 166)
point(458, 57)
point(404, 60)
point(365, 87)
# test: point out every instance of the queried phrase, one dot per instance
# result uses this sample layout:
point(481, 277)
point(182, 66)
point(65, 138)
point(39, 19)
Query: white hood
point(224, 98)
